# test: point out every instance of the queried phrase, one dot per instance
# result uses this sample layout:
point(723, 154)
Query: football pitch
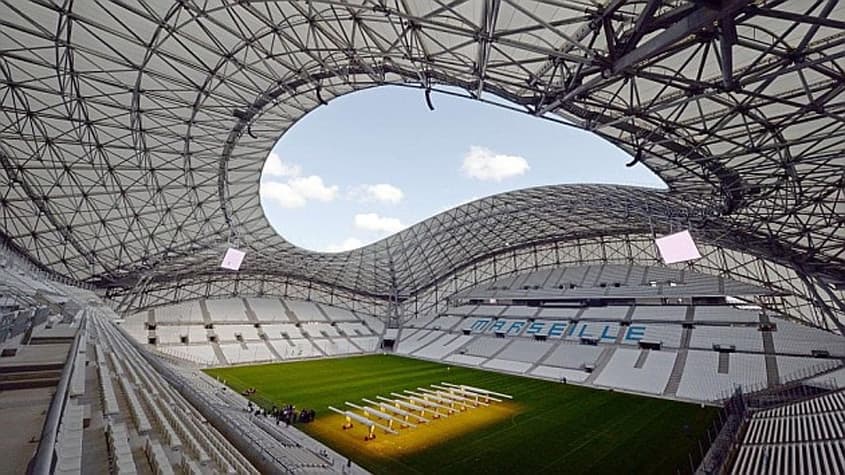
point(548, 427)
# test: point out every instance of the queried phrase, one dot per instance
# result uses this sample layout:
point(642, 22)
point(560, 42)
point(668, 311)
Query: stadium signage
point(560, 329)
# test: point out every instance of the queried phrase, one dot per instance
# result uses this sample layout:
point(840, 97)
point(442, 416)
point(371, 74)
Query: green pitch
point(552, 427)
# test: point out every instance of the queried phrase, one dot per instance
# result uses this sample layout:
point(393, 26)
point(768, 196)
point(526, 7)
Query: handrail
point(45, 456)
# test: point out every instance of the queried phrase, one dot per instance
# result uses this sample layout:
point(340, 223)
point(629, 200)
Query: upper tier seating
point(803, 340)
point(519, 311)
point(676, 313)
point(305, 311)
point(668, 335)
point(558, 312)
point(463, 310)
point(421, 321)
point(604, 313)
point(337, 314)
point(355, 328)
point(226, 310)
point(488, 310)
point(375, 323)
point(743, 338)
point(725, 314)
point(268, 309)
point(184, 312)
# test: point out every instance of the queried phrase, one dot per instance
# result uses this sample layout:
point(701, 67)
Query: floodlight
point(233, 259)
point(678, 247)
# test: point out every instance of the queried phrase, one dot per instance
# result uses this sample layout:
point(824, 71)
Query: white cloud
point(297, 191)
point(374, 222)
point(282, 194)
point(274, 166)
point(382, 193)
point(347, 245)
point(484, 164)
point(313, 188)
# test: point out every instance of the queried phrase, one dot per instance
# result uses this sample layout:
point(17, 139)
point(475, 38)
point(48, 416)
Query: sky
point(374, 162)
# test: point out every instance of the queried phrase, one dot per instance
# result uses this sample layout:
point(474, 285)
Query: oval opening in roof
point(373, 162)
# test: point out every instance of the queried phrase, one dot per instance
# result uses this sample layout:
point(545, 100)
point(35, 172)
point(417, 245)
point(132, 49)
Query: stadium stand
point(671, 313)
point(337, 314)
point(134, 135)
point(793, 338)
point(613, 348)
point(527, 351)
point(182, 313)
point(225, 310)
point(723, 314)
point(485, 346)
point(741, 338)
point(305, 311)
point(517, 367)
point(643, 371)
point(573, 356)
point(797, 437)
point(445, 322)
point(267, 310)
point(238, 331)
point(705, 380)
point(352, 329)
point(441, 347)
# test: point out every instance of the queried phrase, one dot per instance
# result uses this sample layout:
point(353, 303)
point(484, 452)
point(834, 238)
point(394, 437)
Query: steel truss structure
point(134, 134)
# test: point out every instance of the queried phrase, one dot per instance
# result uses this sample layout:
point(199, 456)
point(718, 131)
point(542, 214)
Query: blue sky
point(376, 161)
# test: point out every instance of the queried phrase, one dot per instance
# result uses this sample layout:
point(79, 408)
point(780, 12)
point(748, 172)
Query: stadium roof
point(134, 133)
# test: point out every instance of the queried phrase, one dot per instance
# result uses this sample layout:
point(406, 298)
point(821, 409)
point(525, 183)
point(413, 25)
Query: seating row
point(121, 453)
point(805, 428)
point(173, 421)
point(832, 402)
point(157, 458)
point(69, 440)
point(798, 459)
point(142, 424)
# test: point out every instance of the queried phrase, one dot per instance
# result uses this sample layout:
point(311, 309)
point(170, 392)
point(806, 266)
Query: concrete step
point(250, 313)
point(601, 362)
point(641, 359)
point(724, 363)
point(206, 315)
point(677, 372)
point(219, 353)
point(23, 375)
point(28, 383)
point(50, 340)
